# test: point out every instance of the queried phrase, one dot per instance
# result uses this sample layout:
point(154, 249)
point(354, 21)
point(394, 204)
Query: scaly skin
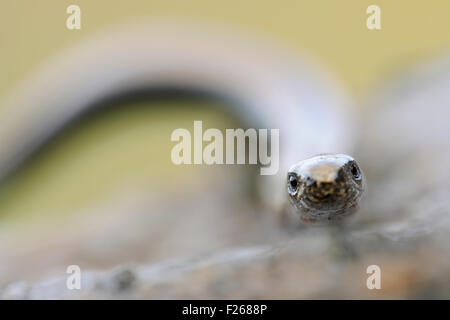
point(326, 187)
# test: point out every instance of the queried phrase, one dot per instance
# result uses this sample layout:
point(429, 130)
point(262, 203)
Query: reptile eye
point(356, 173)
point(293, 185)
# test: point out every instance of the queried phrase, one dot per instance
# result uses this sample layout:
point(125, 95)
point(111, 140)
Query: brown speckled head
point(325, 187)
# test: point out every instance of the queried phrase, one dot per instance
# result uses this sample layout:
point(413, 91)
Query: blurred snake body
point(265, 88)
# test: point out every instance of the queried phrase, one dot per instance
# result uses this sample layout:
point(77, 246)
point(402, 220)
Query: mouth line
point(324, 212)
point(328, 205)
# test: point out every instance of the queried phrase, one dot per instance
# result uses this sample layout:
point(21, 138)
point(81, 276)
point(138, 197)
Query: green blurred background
point(95, 160)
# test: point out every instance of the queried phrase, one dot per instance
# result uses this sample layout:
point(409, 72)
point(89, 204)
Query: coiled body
point(263, 87)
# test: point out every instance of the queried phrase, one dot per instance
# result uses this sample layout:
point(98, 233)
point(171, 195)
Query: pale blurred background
point(333, 31)
point(97, 160)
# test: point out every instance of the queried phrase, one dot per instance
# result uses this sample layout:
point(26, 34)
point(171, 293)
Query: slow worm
point(263, 86)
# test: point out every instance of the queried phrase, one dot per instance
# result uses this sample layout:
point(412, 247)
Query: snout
point(326, 192)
